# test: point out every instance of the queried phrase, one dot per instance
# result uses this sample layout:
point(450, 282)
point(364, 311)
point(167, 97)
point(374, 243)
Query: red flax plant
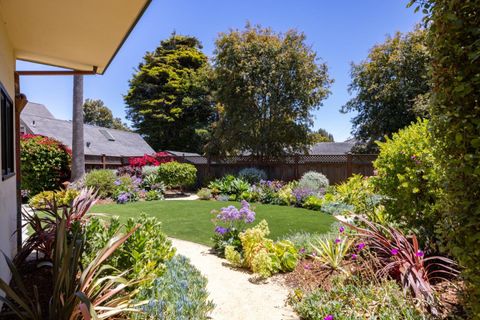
point(44, 226)
point(401, 258)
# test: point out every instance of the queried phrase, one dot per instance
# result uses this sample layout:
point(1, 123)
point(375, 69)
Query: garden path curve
point(235, 297)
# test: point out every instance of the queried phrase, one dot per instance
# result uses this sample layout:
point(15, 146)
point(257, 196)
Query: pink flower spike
point(419, 253)
point(329, 317)
point(342, 229)
point(394, 251)
point(306, 267)
point(360, 246)
point(337, 241)
point(354, 256)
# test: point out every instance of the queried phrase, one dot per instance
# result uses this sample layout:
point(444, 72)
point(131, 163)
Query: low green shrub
point(409, 176)
point(252, 175)
point(45, 163)
point(179, 294)
point(355, 300)
point(177, 175)
point(144, 253)
point(47, 198)
point(313, 203)
point(229, 185)
point(314, 181)
point(204, 194)
point(103, 181)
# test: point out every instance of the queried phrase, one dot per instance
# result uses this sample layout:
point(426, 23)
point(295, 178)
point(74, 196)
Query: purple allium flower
point(419, 253)
point(354, 256)
point(337, 241)
point(341, 229)
point(394, 251)
point(221, 230)
point(123, 197)
point(117, 182)
point(306, 266)
point(302, 251)
point(329, 317)
point(360, 246)
point(302, 193)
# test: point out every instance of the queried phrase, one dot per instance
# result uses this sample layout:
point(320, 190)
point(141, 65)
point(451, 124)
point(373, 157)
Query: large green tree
point(454, 41)
point(95, 112)
point(321, 135)
point(390, 87)
point(266, 86)
point(168, 101)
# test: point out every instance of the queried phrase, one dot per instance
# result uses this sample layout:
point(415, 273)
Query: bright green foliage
point(321, 135)
point(313, 180)
point(103, 181)
point(177, 175)
point(330, 253)
point(285, 195)
point(144, 253)
point(386, 85)
point(180, 294)
point(168, 102)
point(262, 255)
point(409, 176)
point(204, 194)
point(47, 198)
point(356, 300)
point(266, 85)
point(313, 203)
point(96, 113)
point(455, 125)
point(45, 163)
point(229, 185)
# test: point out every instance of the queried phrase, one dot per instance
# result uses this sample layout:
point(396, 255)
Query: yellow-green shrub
point(46, 198)
point(177, 175)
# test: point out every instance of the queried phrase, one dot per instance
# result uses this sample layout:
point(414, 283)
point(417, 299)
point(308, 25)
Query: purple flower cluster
point(232, 214)
point(123, 197)
point(302, 193)
point(274, 185)
point(221, 230)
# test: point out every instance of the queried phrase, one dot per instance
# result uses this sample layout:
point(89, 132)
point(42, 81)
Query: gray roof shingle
point(331, 148)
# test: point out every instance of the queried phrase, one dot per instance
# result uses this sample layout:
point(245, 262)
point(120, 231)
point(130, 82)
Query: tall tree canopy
point(168, 101)
point(321, 135)
point(267, 84)
point(96, 113)
point(390, 87)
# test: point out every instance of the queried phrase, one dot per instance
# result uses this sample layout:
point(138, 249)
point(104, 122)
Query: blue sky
point(340, 31)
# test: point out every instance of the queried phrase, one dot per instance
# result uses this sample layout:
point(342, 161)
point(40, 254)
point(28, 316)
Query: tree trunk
point(78, 154)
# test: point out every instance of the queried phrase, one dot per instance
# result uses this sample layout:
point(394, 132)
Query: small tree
point(267, 84)
point(321, 135)
point(95, 112)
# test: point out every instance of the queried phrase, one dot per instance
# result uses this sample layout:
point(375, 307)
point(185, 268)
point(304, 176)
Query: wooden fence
point(104, 162)
point(337, 168)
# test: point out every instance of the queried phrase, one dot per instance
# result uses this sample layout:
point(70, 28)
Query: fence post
point(349, 165)
point(295, 170)
point(104, 165)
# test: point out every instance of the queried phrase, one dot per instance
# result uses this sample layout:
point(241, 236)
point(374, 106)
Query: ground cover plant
point(191, 220)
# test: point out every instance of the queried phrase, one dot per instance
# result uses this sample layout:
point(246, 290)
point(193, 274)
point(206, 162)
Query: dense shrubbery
point(352, 300)
point(179, 294)
point(252, 175)
point(409, 176)
point(150, 160)
point(103, 181)
point(177, 175)
point(45, 164)
point(47, 199)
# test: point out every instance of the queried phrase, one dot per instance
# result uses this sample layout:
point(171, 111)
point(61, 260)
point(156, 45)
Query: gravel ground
point(234, 295)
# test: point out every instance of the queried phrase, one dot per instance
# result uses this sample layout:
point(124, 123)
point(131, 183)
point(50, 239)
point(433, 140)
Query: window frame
point(7, 140)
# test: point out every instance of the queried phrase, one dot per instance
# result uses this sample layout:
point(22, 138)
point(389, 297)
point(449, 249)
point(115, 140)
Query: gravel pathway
point(235, 297)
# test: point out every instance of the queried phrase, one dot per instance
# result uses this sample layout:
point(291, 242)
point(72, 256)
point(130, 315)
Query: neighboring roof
point(98, 139)
point(332, 148)
point(183, 154)
point(37, 109)
point(72, 34)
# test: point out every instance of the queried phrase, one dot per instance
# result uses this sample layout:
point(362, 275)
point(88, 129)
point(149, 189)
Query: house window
point(7, 134)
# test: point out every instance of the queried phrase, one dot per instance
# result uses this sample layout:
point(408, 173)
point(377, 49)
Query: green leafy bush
point(204, 194)
point(45, 163)
point(409, 176)
point(177, 175)
point(179, 294)
point(47, 198)
point(314, 181)
point(252, 175)
point(229, 185)
point(103, 181)
point(355, 300)
point(313, 203)
point(144, 253)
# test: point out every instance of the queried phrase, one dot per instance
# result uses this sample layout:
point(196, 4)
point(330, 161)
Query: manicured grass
point(191, 220)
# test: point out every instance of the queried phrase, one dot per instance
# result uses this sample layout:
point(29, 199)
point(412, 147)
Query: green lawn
point(191, 220)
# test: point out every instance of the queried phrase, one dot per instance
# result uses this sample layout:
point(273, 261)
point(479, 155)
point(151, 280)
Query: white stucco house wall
point(81, 36)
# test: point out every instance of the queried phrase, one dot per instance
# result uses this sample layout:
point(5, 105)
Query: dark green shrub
point(103, 181)
point(181, 293)
point(177, 175)
point(45, 163)
point(356, 301)
point(409, 176)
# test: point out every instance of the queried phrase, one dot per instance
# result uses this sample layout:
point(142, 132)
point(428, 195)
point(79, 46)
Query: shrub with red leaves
point(151, 160)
